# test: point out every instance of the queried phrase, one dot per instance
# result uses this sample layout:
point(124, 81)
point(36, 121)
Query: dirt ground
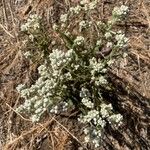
point(130, 76)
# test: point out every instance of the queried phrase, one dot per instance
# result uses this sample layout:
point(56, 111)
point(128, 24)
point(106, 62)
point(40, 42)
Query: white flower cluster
point(59, 58)
point(20, 87)
point(27, 54)
point(89, 117)
point(79, 40)
point(48, 88)
point(61, 107)
point(77, 74)
point(85, 95)
point(98, 118)
point(84, 24)
point(105, 110)
point(32, 23)
point(120, 11)
point(76, 9)
point(121, 39)
point(93, 133)
point(55, 27)
point(98, 67)
point(83, 2)
point(85, 6)
point(92, 5)
point(108, 35)
point(101, 80)
point(109, 44)
point(107, 113)
point(89, 5)
point(99, 42)
point(63, 17)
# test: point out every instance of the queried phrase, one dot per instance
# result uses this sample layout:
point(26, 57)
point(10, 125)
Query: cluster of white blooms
point(83, 2)
point(121, 39)
point(109, 44)
point(93, 4)
point(55, 26)
point(98, 43)
point(105, 110)
point(59, 58)
point(87, 102)
point(61, 107)
point(66, 74)
point(27, 54)
point(115, 119)
point(98, 118)
point(85, 6)
point(76, 9)
point(107, 113)
point(47, 89)
point(101, 80)
point(32, 23)
point(89, 5)
point(96, 66)
point(108, 35)
point(82, 24)
point(20, 87)
point(85, 95)
point(63, 17)
point(79, 40)
point(89, 117)
point(93, 133)
point(119, 11)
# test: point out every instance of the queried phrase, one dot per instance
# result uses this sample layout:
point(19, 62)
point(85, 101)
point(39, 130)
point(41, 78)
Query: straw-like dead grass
point(131, 78)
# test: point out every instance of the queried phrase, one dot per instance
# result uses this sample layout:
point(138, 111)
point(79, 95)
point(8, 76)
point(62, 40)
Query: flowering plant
point(75, 72)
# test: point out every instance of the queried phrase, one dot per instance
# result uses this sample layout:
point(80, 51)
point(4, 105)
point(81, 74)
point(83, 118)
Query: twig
point(18, 113)
point(6, 31)
point(69, 132)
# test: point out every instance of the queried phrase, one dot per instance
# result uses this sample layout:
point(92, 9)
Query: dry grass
point(131, 78)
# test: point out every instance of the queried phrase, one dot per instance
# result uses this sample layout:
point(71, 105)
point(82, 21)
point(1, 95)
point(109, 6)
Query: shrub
point(74, 73)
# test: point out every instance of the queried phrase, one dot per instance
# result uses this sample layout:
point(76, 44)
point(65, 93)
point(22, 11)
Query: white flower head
point(79, 40)
point(109, 44)
point(27, 54)
point(120, 11)
point(63, 17)
point(82, 24)
point(76, 9)
point(20, 87)
point(55, 26)
point(99, 42)
point(83, 2)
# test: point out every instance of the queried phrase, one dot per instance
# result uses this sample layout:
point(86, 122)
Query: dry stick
point(14, 25)
point(25, 134)
point(143, 85)
point(52, 141)
point(42, 125)
point(18, 113)
point(5, 13)
point(69, 132)
point(10, 116)
point(20, 137)
point(6, 31)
